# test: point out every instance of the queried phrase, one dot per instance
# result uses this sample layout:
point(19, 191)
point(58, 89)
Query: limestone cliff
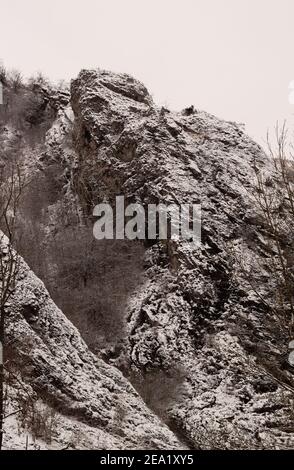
point(197, 338)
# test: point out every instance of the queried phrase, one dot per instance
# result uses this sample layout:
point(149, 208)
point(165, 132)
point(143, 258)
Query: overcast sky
point(233, 58)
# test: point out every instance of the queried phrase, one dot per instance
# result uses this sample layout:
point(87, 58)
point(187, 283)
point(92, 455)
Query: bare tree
point(275, 199)
point(15, 80)
point(11, 187)
point(3, 73)
point(270, 274)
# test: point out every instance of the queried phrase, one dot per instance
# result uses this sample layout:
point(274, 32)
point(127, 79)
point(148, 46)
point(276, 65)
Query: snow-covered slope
point(198, 338)
point(96, 407)
point(196, 312)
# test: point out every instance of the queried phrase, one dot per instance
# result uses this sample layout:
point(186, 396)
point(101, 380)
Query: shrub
point(15, 80)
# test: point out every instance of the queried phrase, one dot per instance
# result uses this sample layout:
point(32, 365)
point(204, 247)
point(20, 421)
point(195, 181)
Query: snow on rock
point(96, 406)
point(195, 313)
point(199, 340)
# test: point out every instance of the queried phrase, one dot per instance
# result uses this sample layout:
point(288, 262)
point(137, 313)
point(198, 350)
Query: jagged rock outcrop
point(96, 407)
point(195, 312)
point(198, 338)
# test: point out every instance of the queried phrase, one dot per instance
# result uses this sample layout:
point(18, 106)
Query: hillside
point(179, 348)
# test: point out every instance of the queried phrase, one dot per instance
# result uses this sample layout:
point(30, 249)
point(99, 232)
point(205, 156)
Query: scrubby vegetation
point(269, 274)
point(89, 280)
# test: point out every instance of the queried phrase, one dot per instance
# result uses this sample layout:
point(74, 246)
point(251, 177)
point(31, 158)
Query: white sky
point(233, 58)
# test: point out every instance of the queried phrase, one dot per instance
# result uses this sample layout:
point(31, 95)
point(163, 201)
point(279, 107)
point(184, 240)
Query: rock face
point(96, 406)
point(195, 312)
point(198, 338)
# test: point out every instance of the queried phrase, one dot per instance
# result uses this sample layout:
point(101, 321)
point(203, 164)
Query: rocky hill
point(192, 332)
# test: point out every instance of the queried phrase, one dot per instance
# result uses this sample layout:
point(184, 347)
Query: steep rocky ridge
point(194, 312)
point(197, 338)
point(95, 406)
